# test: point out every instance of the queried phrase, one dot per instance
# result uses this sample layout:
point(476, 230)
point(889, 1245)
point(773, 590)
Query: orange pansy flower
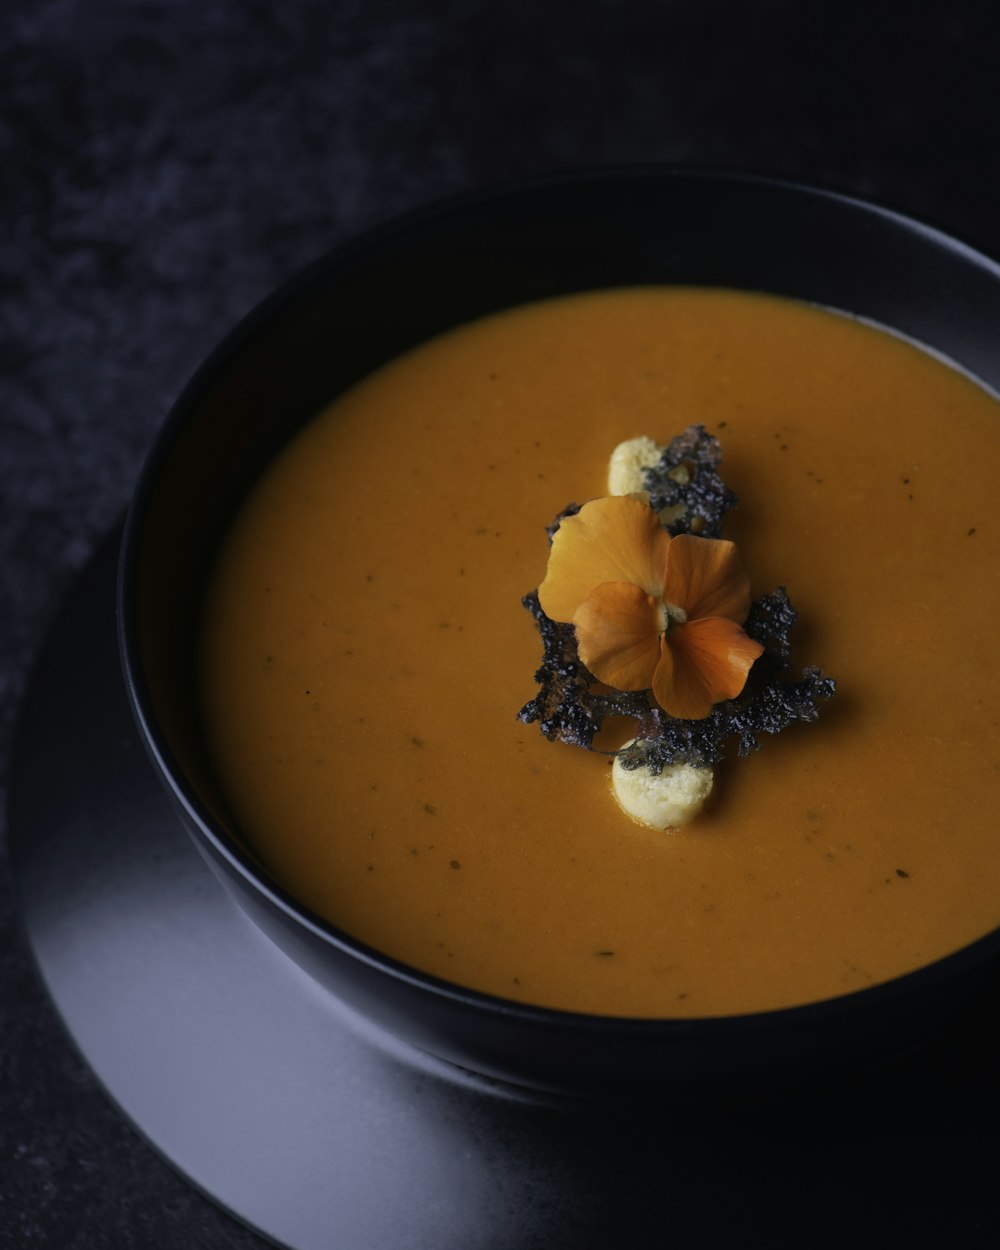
point(651, 610)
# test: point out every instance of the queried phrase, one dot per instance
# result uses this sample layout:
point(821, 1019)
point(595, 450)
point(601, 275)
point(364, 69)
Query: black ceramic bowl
point(363, 304)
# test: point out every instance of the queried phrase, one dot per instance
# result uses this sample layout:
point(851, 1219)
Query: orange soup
point(366, 653)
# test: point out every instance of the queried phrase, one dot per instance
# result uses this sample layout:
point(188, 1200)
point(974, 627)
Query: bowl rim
point(969, 958)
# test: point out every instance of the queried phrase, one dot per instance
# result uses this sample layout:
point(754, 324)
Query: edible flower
point(651, 610)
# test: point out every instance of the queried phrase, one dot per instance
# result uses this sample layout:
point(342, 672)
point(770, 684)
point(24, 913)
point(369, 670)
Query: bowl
point(366, 302)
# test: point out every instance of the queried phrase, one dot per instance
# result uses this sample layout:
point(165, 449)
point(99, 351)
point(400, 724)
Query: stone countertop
point(166, 163)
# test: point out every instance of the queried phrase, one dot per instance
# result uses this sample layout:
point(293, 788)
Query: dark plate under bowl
point(395, 287)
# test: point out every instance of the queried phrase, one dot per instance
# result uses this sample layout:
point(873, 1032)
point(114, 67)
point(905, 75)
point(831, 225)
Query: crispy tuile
point(686, 477)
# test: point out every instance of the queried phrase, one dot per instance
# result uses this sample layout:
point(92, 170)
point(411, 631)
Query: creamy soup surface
point(366, 652)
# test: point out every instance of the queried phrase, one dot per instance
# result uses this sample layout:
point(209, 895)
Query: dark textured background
point(164, 163)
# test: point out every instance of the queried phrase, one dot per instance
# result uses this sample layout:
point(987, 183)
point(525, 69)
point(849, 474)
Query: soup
point(365, 654)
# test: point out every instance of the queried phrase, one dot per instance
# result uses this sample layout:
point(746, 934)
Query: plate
point(317, 1130)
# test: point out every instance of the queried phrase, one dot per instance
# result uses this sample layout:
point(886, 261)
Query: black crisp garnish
point(685, 478)
point(571, 705)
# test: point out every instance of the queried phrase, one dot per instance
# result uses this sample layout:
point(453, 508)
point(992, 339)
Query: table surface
point(166, 164)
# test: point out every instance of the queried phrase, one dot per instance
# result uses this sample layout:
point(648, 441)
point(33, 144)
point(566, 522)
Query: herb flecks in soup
point(637, 597)
point(365, 649)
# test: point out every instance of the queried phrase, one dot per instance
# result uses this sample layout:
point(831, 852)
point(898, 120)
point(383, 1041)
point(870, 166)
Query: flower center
point(669, 614)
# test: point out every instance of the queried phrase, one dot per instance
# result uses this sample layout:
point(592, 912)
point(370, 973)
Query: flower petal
point(618, 539)
point(705, 578)
point(703, 662)
point(617, 635)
